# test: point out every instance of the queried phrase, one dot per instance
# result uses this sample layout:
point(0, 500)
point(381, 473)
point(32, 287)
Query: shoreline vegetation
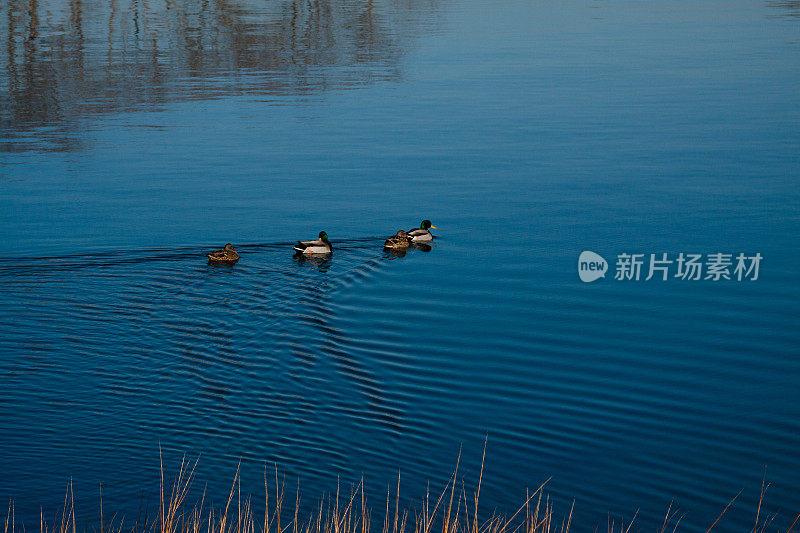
point(454, 510)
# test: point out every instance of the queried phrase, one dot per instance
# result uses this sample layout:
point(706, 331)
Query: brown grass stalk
point(452, 511)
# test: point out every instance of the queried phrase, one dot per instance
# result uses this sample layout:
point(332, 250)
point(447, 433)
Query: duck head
point(229, 247)
point(323, 236)
point(426, 224)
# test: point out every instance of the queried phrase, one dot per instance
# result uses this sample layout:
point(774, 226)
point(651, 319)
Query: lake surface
point(135, 136)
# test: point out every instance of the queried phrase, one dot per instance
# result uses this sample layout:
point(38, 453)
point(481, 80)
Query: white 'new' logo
point(591, 266)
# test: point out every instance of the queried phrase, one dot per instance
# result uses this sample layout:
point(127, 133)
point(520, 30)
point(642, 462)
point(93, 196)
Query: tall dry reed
point(452, 511)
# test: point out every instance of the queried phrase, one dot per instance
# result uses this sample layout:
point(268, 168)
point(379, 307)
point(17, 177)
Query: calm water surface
point(135, 136)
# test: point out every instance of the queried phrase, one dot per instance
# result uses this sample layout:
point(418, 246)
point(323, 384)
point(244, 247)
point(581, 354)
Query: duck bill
point(434, 227)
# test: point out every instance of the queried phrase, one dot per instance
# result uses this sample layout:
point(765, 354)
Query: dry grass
point(453, 511)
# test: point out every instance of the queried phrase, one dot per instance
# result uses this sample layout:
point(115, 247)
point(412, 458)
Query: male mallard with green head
point(422, 233)
point(226, 256)
point(318, 247)
point(397, 242)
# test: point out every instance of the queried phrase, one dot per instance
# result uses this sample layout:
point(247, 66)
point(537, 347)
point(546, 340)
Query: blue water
point(135, 137)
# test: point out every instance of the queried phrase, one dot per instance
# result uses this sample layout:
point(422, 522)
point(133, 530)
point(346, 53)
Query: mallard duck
point(397, 242)
point(227, 255)
point(422, 233)
point(318, 247)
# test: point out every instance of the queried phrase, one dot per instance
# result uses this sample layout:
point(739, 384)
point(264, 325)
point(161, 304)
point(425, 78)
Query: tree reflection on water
point(63, 61)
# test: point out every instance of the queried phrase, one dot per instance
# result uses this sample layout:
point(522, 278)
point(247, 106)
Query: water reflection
point(391, 254)
point(63, 61)
point(788, 8)
point(321, 263)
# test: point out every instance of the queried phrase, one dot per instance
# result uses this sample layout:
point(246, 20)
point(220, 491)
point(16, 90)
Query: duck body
point(226, 256)
point(422, 233)
point(318, 247)
point(397, 242)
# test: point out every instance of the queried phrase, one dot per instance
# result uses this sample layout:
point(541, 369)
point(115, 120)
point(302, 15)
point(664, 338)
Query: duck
point(422, 233)
point(397, 242)
point(226, 256)
point(319, 247)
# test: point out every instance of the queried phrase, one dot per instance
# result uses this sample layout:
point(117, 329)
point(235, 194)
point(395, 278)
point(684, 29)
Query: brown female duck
point(226, 256)
point(397, 242)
